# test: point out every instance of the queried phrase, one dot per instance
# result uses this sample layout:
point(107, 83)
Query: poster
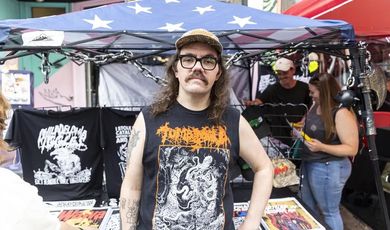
point(17, 87)
point(288, 213)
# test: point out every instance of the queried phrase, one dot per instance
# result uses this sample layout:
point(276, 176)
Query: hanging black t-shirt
point(116, 129)
point(60, 152)
point(186, 162)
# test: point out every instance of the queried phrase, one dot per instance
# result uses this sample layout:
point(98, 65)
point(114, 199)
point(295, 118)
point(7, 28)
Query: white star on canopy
point(172, 1)
point(172, 27)
point(138, 8)
point(203, 10)
point(242, 21)
point(98, 23)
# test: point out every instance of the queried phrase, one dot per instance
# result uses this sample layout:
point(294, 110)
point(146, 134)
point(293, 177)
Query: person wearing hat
point(184, 144)
point(286, 90)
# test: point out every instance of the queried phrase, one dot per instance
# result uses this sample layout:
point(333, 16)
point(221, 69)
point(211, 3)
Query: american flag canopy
point(152, 26)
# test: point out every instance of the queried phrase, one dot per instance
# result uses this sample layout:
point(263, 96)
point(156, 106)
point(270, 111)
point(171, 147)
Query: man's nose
point(198, 65)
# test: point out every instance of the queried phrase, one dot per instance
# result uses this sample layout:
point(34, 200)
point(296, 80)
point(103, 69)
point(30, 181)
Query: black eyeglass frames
point(189, 61)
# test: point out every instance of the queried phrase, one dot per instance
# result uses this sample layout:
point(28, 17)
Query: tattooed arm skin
point(132, 182)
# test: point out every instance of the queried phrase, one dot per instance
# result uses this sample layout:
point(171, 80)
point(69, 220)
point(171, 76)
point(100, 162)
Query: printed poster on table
point(288, 213)
point(94, 218)
point(240, 210)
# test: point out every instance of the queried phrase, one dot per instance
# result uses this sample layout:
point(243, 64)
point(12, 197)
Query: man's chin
point(197, 89)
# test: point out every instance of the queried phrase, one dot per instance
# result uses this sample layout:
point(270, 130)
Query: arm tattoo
point(133, 140)
point(130, 207)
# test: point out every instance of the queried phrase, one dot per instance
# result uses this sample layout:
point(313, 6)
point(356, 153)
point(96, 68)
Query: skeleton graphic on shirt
point(68, 163)
point(63, 165)
point(122, 134)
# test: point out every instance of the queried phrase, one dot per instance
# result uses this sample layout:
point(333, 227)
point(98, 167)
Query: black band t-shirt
point(186, 162)
point(60, 153)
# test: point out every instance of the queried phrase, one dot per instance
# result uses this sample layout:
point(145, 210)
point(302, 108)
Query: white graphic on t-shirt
point(62, 166)
point(192, 175)
point(122, 134)
point(191, 195)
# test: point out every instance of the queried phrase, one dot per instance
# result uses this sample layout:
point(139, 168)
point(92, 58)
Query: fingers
point(250, 103)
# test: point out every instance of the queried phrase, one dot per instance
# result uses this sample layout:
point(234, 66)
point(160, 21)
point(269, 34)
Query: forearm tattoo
point(130, 208)
point(133, 140)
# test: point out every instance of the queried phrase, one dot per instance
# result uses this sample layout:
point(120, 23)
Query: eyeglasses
point(189, 61)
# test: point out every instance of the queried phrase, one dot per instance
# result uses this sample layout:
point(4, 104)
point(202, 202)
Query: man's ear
point(219, 73)
point(174, 68)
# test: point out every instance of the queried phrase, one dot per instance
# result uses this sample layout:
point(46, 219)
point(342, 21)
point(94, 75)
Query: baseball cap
point(199, 35)
point(313, 56)
point(283, 64)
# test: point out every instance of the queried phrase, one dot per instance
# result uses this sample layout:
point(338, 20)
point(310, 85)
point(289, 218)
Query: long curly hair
point(4, 107)
point(329, 88)
point(219, 96)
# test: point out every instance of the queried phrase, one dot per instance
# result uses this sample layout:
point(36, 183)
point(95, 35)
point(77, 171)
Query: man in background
point(288, 98)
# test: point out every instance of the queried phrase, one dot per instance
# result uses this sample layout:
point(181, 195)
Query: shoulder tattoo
point(133, 140)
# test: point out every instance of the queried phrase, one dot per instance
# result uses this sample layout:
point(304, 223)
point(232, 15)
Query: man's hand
point(254, 102)
point(248, 225)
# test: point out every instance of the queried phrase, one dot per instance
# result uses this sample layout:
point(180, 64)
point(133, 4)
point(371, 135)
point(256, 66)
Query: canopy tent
point(150, 27)
point(369, 18)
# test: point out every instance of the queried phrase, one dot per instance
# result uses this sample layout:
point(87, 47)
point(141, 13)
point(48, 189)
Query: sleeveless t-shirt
point(186, 163)
point(314, 128)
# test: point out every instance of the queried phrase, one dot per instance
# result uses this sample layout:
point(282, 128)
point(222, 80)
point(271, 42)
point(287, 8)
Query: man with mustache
point(184, 145)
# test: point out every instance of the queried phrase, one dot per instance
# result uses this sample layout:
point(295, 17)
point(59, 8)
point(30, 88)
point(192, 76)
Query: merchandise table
point(242, 192)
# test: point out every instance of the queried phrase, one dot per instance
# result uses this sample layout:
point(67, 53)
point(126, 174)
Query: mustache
point(197, 76)
point(283, 78)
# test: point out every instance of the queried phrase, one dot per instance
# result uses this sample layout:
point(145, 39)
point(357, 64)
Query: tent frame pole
point(360, 64)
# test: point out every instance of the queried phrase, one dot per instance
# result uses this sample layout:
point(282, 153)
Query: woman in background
point(325, 164)
point(21, 206)
point(5, 155)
